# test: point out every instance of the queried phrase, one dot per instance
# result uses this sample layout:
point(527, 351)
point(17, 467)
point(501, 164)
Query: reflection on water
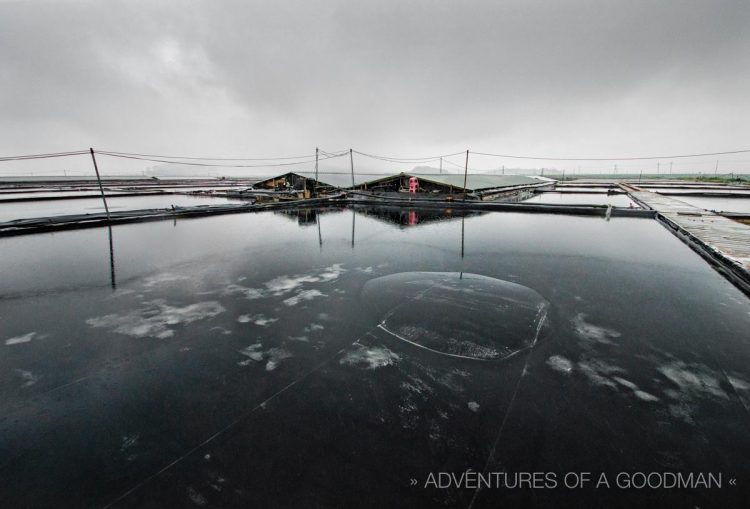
point(248, 352)
point(412, 216)
point(20, 210)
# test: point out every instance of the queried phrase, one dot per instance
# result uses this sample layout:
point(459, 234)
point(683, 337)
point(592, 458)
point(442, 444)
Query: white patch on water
point(370, 358)
point(626, 383)
point(693, 379)
point(23, 339)
point(645, 396)
point(252, 353)
point(283, 285)
point(591, 332)
point(738, 384)
point(163, 278)
point(598, 372)
point(263, 321)
point(222, 330)
point(28, 377)
point(155, 318)
point(560, 363)
point(301, 339)
point(642, 395)
point(416, 385)
point(323, 317)
point(313, 327)
point(331, 273)
point(693, 382)
point(303, 295)
point(473, 406)
point(248, 293)
point(196, 497)
point(260, 320)
point(275, 356)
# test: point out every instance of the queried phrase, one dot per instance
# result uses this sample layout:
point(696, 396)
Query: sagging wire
point(44, 156)
point(112, 152)
point(706, 154)
point(218, 165)
point(406, 159)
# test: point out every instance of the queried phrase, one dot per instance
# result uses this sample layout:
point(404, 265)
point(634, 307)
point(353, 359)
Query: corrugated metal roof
point(478, 182)
point(339, 179)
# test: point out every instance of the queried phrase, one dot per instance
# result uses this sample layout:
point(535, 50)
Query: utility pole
point(441, 165)
point(657, 168)
point(315, 185)
point(670, 167)
point(99, 179)
point(351, 160)
point(503, 169)
point(466, 172)
point(716, 170)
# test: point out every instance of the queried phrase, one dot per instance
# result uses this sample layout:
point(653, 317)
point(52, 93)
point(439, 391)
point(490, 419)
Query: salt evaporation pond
point(739, 205)
point(239, 361)
point(552, 198)
point(27, 209)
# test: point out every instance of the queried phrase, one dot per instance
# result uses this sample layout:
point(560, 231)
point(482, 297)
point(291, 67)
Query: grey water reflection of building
point(303, 216)
point(406, 217)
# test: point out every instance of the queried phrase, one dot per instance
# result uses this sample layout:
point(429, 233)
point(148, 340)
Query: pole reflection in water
point(320, 237)
point(111, 259)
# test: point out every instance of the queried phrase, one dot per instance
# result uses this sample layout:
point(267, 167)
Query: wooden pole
point(441, 165)
point(466, 172)
point(315, 185)
point(99, 180)
point(351, 160)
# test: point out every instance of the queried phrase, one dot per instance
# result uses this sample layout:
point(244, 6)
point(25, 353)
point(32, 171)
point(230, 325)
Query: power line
point(407, 159)
point(109, 152)
point(44, 156)
point(154, 160)
point(613, 158)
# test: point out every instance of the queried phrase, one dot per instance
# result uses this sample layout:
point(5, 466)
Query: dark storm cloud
point(402, 78)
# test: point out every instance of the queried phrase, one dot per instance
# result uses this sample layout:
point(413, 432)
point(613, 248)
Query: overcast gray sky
point(399, 78)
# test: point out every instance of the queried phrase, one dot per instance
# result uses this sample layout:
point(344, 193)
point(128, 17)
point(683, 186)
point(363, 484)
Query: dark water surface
point(326, 359)
point(28, 209)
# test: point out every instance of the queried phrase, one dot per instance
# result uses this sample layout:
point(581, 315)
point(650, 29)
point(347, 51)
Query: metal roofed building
point(483, 187)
